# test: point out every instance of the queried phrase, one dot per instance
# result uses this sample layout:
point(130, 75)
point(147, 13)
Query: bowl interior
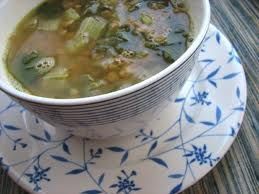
point(198, 9)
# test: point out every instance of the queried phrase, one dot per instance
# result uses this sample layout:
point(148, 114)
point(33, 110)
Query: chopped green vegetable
point(133, 5)
point(49, 24)
point(44, 65)
point(91, 28)
point(77, 43)
point(70, 16)
point(28, 58)
point(146, 19)
point(58, 73)
point(94, 26)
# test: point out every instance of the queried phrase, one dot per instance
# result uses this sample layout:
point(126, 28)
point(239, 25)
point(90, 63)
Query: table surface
point(238, 171)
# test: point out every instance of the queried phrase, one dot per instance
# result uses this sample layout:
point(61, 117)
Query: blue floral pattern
point(174, 151)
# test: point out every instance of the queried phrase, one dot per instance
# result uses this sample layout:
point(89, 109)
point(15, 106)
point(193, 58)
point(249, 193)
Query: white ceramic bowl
point(113, 114)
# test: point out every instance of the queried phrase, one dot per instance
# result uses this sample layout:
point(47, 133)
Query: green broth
point(80, 48)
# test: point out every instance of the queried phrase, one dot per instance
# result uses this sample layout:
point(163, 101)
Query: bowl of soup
point(98, 68)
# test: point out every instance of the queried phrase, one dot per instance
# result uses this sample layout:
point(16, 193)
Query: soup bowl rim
point(11, 91)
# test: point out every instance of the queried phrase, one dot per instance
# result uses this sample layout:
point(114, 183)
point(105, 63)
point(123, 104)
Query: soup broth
point(81, 48)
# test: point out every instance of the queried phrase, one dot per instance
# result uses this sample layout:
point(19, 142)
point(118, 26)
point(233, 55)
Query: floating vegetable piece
point(49, 24)
point(91, 28)
point(57, 73)
point(94, 26)
point(151, 45)
point(70, 16)
point(44, 65)
point(146, 19)
point(167, 56)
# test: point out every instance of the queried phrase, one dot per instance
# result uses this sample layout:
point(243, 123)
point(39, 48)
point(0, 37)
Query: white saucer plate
point(198, 128)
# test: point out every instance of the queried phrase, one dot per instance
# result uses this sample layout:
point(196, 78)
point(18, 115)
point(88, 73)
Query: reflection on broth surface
point(80, 48)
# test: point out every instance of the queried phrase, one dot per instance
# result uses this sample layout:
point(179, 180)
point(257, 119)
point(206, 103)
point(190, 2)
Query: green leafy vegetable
point(28, 58)
point(50, 9)
point(146, 19)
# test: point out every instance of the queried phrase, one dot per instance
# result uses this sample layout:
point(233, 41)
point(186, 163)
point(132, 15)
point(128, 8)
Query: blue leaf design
point(47, 135)
point(175, 176)
point(208, 61)
point(11, 127)
point(238, 92)
point(233, 132)
point(229, 76)
point(239, 109)
point(38, 138)
point(92, 192)
point(176, 189)
point(188, 118)
point(207, 123)
point(212, 74)
point(101, 179)
point(218, 37)
point(116, 149)
point(66, 148)
point(75, 171)
point(159, 161)
point(188, 155)
point(179, 100)
point(153, 146)
point(213, 83)
point(114, 185)
point(172, 138)
point(218, 114)
point(59, 158)
point(124, 157)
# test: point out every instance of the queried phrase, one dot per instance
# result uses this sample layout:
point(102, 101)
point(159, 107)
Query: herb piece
point(146, 19)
